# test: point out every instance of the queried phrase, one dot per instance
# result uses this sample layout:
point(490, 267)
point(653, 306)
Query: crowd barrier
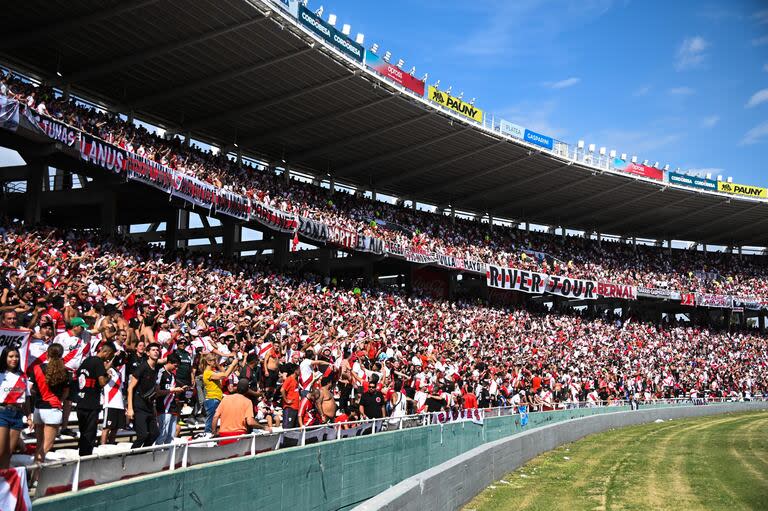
point(336, 457)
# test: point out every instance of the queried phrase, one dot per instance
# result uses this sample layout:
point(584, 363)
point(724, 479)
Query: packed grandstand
point(107, 337)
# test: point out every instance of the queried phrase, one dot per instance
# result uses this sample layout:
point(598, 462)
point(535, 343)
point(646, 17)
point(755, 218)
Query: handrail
point(425, 419)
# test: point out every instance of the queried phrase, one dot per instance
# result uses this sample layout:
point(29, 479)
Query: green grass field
point(718, 462)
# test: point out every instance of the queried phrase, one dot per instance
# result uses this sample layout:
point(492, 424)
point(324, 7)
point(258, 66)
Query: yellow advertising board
point(455, 104)
point(750, 191)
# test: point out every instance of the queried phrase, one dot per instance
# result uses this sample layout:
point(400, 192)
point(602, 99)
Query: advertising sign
point(394, 73)
point(692, 181)
point(455, 104)
point(330, 34)
point(513, 130)
point(612, 290)
point(517, 280)
point(539, 139)
point(638, 169)
point(654, 292)
point(749, 191)
point(571, 288)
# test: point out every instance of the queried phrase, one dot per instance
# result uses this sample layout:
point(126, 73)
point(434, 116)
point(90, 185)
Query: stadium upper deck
point(239, 71)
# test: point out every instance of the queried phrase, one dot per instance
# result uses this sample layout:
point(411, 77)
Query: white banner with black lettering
point(539, 283)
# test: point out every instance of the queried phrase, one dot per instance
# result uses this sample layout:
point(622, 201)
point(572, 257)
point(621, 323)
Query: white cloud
point(691, 54)
point(537, 116)
point(756, 134)
point(760, 41)
point(682, 91)
point(563, 84)
point(761, 16)
point(757, 98)
point(711, 121)
point(642, 91)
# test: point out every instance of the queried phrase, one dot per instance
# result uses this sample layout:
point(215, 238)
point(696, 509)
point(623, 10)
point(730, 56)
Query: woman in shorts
point(51, 388)
point(13, 399)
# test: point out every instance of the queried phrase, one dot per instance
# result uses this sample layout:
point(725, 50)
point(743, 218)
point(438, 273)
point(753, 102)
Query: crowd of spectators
point(133, 334)
point(574, 256)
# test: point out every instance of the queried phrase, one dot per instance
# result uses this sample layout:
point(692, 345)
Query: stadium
point(250, 261)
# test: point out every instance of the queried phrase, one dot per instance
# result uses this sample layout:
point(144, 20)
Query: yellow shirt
point(212, 387)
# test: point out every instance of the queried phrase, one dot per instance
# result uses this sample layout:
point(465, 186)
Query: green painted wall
point(331, 475)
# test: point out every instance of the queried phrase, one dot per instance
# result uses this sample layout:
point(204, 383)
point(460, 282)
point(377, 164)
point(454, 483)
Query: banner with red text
point(613, 290)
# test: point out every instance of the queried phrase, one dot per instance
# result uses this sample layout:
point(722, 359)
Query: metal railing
point(96, 469)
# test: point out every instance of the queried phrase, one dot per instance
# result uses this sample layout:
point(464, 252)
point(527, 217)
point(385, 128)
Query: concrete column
point(172, 230)
point(130, 116)
point(183, 223)
point(599, 240)
point(739, 251)
point(280, 250)
point(761, 321)
point(232, 234)
point(108, 212)
point(452, 284)
point(373, 194)
point(286, 174)
point(527, 227)
point(239, 157)
point(669, 245)
point(188, 138)
point(562, 233)
point(36, 174)
point(413, 204)
point(324, 261)
point(453, 215)
point(490, 222)
point(332, 187)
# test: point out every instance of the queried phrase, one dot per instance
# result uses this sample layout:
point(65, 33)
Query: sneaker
point(181, 423)
point(69, 432)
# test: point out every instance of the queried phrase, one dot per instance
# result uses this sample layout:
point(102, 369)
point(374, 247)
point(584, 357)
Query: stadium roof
point(240, 70)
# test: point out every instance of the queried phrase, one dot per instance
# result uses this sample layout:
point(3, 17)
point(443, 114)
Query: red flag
point(295, 242)
point(129, 308)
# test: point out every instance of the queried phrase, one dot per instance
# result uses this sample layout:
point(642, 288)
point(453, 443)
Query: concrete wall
point(452, 484)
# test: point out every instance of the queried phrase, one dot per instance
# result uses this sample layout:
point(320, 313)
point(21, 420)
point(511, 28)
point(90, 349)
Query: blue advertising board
point(539, 139)
point(329, 34)
point(692, 181)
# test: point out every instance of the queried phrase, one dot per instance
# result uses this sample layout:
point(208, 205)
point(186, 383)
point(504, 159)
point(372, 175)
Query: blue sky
point(681, 82)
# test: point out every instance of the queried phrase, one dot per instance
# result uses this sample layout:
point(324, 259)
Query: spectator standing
point(167, 404)
point(234, 415)
point(141, 394)
point(290, 394)
point(13, 402)
point(91, 378)
point(372, 401)
point(213, 382)
point(50, 388)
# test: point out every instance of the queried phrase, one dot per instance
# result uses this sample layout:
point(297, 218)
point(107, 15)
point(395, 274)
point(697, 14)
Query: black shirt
point(166, 402)
point(184, 369)
point(372, 401)
point(132, 363)
point(88, 386)
point(147, 379)
point(246, 373)
point(434, 404)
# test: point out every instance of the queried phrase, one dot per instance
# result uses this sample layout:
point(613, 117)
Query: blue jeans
point(166, 423)
point(210, 409)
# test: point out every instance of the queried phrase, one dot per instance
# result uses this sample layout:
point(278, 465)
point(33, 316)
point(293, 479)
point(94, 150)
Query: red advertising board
point(394, 73)
point(644, 170)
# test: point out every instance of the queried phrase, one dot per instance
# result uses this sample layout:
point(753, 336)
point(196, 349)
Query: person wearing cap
point(73, 341)
point(372, 401)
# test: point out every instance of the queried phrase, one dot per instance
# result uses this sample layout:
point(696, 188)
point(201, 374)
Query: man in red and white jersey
point(76, 344)
point(307, 371)
point(309, 415)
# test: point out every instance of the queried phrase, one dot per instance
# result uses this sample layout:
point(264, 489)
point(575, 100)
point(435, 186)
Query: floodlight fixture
point(387, 56)
point(360, 38)
point(624, 156)
point(634, 159)
point(645, 162)
point(319, 12)
point(426, 77)
point(602, 151)
point(400, 63)
point(374, 48)
point(580, 144)
point(612, 154)
point(332, 19)
point(591, 148)
point(412, 71)
point(346, 29)
point(437, 83)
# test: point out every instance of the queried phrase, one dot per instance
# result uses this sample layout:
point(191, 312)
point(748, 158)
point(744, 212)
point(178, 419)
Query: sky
point(681, 82)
